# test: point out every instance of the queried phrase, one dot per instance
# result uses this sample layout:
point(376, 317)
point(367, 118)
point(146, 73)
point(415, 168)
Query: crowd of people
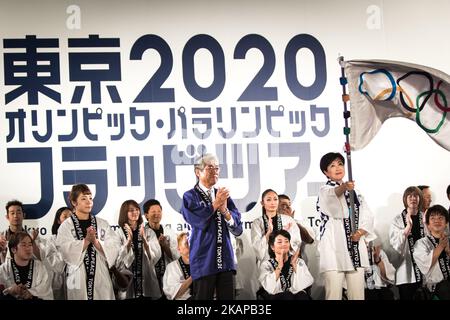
point(86, 259)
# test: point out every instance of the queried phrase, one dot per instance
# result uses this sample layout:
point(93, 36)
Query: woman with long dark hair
point(270, 221)
point(138, 253)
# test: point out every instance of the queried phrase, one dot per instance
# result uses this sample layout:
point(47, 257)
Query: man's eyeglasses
point(212, 168)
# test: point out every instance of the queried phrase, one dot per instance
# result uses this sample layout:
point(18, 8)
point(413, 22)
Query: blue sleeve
point(236, 229)
point(195, 212)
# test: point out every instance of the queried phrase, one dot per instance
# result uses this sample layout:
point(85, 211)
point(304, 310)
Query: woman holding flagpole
point(343, 252)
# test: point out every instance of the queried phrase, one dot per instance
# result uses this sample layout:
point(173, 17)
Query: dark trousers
point(383, 293)
point(222, 284)
point(287, 295)
point(407, 291)
point(442, 290)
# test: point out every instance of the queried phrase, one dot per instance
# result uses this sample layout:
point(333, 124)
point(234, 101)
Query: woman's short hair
point(272, 237)
point(78, 189)
point(328, 158)
point(412, 190)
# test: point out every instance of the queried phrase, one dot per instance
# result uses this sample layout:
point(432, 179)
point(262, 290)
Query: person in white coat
point(89, 247)
point(406, 228)
point(284, 276)
point(432, 253)
point(138, 254)
point(22, 276)
point(166, 238)
point(343, 252)
point(177, 280)
point(271, 220)
point(52, 258)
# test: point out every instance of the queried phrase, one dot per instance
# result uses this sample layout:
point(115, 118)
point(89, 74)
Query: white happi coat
point(125, 260)
point(259, 240)
point(300, 280)
point(54, 262)
point(423, 255)
point(40, 285)
point(172, 281)
point(334, 254)
point(73, 254)
point(405, 272)
point(173, 244)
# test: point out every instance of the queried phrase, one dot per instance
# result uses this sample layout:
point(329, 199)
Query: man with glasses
point(212, 215)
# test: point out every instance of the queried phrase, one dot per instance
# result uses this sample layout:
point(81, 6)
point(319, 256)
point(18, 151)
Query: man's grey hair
point(202, 161)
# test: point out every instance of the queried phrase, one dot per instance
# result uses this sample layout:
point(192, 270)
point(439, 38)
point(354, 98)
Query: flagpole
point(345, 99)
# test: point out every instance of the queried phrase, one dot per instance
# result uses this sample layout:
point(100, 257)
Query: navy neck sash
point(16, 273)
point(411, 242)
point(137, 262)
point(352, 247)
point(285, 274)
point(219, 227)
point(90, 257)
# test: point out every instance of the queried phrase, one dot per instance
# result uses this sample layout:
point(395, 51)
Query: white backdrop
point(400, 155)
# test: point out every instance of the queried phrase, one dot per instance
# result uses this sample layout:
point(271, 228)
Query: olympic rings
point(405, 99)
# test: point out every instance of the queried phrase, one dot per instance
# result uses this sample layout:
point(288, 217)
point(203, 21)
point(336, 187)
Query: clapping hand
point(24, 293)
point(280, 259)
point(163, 241)
point(220, 201)
point(409, 224)
point(443, 242)
point(130, 235)
point(269, 228)
point(142, 231)
point(34, 233)
point(288, 226)
point(90, 235)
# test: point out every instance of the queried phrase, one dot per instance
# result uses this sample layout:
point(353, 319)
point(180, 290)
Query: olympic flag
point(381, 89)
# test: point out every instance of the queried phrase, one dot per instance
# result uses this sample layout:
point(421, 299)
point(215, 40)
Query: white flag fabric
point(381, 89)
